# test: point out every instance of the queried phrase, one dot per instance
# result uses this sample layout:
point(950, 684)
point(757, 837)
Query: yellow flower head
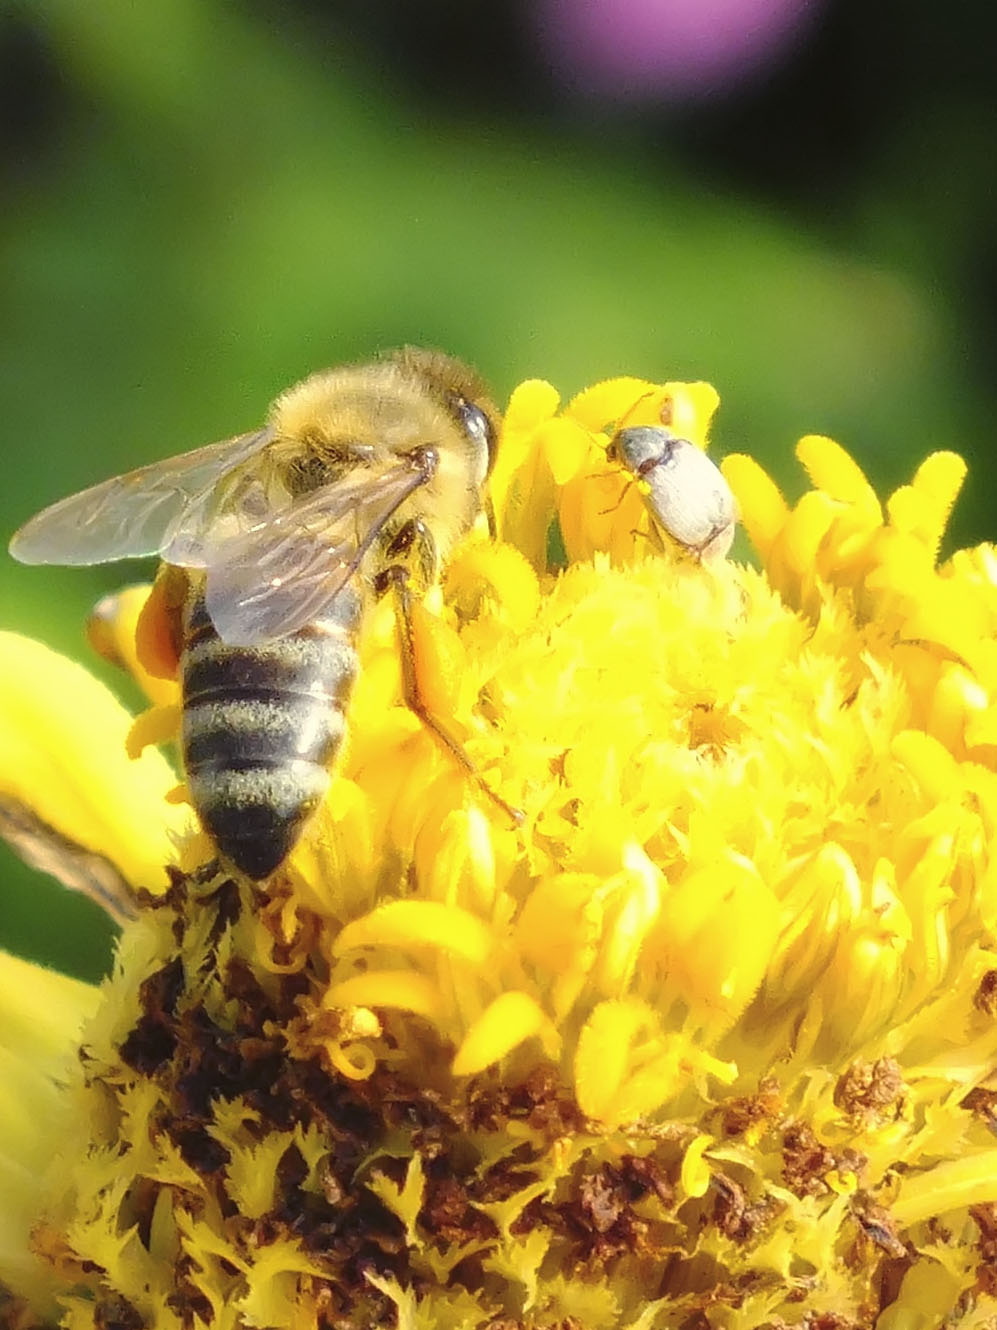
point(706, 1039)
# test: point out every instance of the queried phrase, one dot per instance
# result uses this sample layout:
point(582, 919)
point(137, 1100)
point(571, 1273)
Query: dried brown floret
point(878, 1255)
point(985, 997)
point(737, 1217)
point(983, 1103)
point(448, 1214)
point(746, 1111)
point(806, 1162)
point(601, 1201)
point(115, 1312)
point(871, 1090)
point(878, 1225)
point(187, 1300)
point(649, 1177)
point(542, 1101)
point(153, 1040)
point(223, 1039)
point(986, 1272)
point(15, 1313)
point(816, 1321)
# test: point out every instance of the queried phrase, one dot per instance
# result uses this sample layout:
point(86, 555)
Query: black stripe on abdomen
point(261, 726)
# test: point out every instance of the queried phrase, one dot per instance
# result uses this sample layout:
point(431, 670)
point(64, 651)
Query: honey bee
point(359, 485)
point(685, 492)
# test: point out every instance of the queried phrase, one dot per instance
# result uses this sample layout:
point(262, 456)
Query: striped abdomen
point(261, 726)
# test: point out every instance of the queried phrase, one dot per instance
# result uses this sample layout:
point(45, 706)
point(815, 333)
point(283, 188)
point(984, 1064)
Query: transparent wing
point(282, 574)
point(135, 514)
point(73, 865)
point(239, 501)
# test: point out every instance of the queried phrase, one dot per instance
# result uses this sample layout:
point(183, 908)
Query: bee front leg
point(414, 539)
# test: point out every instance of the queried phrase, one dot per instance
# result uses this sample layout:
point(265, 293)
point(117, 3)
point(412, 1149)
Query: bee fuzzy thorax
point(377, 413)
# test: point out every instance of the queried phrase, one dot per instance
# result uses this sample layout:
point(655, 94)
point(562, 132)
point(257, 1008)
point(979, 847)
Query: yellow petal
point(694, 1178)
point(439, 661)
point(717, 971)
point(833, 470)
point(605, 404)
point(929, 762)
point(494, 572)
point(762, 508)
point(952, 1185)
point(688, 409)
point(158, 725)
point(514, 478)
point(445, 928)
point(402, 990)
point(603, 1059)
point(808, 524)
point(532, 402)
point(506, 1023)
point(568, 449)
point(41, 1011)
point(112, 632)
point(41, 1017)
point(63, 758)
point(923, 507)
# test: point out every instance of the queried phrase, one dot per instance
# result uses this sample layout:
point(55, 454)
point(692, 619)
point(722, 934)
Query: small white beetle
point(685, 492)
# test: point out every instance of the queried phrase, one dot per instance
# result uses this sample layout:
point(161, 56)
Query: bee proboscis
point(360, 484)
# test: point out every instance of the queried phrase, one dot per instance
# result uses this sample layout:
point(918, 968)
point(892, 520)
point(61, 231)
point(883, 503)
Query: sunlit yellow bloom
point(708, 1041)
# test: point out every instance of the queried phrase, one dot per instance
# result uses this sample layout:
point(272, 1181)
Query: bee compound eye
point(479, 430)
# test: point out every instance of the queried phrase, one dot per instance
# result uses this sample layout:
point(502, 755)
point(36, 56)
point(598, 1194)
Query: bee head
point(462, 393)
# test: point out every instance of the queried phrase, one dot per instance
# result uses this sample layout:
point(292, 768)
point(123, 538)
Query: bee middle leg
point(415, 551)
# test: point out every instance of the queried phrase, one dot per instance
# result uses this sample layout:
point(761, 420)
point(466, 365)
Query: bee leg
point(489, 508)
point(398, 579)
point(414, 700)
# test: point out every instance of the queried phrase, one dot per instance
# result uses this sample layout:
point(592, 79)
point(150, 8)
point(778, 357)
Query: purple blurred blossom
point(671, 50)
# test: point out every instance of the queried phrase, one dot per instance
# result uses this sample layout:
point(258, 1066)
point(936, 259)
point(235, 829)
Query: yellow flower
point(708, 1040)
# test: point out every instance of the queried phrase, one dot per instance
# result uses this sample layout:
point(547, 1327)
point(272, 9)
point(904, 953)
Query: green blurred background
point(204, 201)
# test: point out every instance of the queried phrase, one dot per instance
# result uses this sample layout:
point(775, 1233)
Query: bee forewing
point(75, 866)
point(132, 515)
point(282, 574)
point(217, 514)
